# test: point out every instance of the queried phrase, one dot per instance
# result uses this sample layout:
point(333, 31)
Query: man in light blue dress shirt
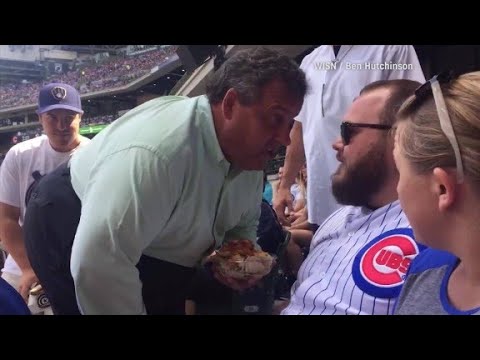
point(171, 180)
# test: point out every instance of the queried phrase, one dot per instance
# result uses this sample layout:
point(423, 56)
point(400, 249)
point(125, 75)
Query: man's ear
point(444, 187)
point(389, 158)
point(229, 101)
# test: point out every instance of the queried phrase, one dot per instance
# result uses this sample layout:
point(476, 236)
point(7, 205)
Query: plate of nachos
point(239, 259)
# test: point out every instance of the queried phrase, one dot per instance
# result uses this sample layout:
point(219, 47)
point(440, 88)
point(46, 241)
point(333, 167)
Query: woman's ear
point(444, 187)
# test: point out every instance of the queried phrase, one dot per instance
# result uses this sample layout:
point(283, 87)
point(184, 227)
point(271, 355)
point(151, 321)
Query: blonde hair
point(423, 142)
point(302, 183)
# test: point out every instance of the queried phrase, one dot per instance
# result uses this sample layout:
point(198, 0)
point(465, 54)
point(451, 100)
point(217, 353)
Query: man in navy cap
point(59, 112)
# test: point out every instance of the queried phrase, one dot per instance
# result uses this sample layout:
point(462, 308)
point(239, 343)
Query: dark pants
point(51, 221)
point(213, 298)
point(164, 286)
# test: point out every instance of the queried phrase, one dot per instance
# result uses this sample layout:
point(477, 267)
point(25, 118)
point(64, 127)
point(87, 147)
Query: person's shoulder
point(171, 125)
point(385, 50)
point(84, 140)
point(431, 259)
point(381, 48)
point(160, 106)
point(186, 110)
point(344, 213)
point(174, 100)
point(316, 53)
point(399, 49)
point(167, 99)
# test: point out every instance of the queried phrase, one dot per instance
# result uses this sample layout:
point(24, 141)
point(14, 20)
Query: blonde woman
point(299, 190)
point(302, 234)
point(437, 152)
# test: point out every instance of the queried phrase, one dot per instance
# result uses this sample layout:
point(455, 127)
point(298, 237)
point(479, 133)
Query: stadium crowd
point(109, 73)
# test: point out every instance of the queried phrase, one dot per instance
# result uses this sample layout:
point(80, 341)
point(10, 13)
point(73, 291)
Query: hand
point(299, 220)
point(294, 216)
point(281, 200)
point(209, 258)
point(27, 280)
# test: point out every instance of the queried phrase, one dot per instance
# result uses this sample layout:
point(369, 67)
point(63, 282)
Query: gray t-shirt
point(425, 289)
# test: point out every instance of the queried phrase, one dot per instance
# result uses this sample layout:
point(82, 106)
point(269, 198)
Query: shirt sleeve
point(247, 226)
point(9, 181)
point(127, 201)
point(406, 56)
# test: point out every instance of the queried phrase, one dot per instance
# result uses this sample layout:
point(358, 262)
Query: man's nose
point(62, 124)
point(338, 145)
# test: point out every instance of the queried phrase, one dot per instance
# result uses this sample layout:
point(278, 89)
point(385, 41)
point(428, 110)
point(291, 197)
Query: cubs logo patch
point(380, 266)
point(59, 93)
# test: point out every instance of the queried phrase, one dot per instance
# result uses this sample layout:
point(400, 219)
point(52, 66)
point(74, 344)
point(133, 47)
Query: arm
point(11, 233)
point(127, 202)
point(294, 160)
point(12, 240)
point(299, 220)
point(302, 237)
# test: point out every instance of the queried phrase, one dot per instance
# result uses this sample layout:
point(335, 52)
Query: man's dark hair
point(401, 90)
point(248, 71)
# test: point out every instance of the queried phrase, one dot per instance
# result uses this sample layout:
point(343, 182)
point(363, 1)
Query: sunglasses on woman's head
point(422, 93)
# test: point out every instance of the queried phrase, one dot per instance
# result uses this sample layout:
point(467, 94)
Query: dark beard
point(360, 182)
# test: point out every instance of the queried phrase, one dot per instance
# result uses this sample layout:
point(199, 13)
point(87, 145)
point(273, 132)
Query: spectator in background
point(334, 86)
point(168, 182)
point(301, 234)
point(267, 190)
point(114, 72)
point(275, 182)
point(299, 190)
point(59, 112)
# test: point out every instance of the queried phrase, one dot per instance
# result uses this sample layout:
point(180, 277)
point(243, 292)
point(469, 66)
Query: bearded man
point(358, 257)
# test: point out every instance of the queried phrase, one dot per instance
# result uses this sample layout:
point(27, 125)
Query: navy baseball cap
point(59, 96)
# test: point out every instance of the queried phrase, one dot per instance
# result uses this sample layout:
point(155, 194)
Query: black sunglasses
point(346, 129)
point(424, 91)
